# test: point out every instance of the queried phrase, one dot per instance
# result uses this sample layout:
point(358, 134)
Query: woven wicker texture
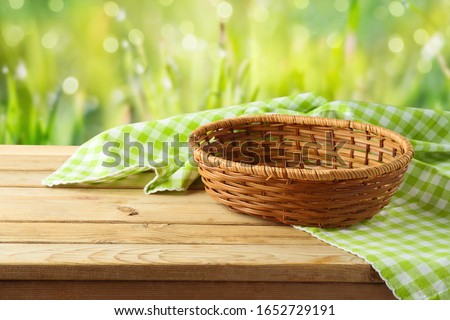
point(298, 170)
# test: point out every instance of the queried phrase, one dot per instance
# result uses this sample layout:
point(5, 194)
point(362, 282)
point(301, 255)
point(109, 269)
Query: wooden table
point(111, 241)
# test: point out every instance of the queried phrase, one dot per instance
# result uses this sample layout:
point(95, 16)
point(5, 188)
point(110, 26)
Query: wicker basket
point(298, 170)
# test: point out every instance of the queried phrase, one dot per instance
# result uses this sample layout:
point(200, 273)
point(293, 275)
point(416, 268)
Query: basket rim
point(297, 173)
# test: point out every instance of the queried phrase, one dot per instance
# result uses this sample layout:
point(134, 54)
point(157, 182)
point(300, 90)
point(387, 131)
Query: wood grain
point(181, 262)
point(118, 205)
point(151, 233)
point(190, 290)
point(36, 162)
point(31, 150)
point(33, 158)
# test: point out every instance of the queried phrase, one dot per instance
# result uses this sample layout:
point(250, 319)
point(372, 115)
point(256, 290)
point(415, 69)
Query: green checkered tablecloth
point(408, 242)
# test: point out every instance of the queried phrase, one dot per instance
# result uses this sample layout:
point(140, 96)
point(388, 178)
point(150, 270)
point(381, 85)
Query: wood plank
point(189, 290)
point(31, 162)
point(15, 158)
point(116, 205)
point(292, 263)
point(152, 233)
point(35, 150)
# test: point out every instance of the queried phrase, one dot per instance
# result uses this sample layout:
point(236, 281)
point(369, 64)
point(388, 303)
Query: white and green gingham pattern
point(408, 242)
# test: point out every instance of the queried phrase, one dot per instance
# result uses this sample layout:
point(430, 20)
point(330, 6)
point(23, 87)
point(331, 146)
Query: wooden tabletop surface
point(110, 240)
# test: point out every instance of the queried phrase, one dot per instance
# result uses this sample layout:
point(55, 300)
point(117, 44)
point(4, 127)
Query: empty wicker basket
point(298, 170)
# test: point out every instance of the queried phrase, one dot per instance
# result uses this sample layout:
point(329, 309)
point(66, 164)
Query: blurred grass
point(73, 68)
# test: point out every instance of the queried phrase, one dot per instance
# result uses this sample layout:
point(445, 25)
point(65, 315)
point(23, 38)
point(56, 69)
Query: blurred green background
point(72, 68)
